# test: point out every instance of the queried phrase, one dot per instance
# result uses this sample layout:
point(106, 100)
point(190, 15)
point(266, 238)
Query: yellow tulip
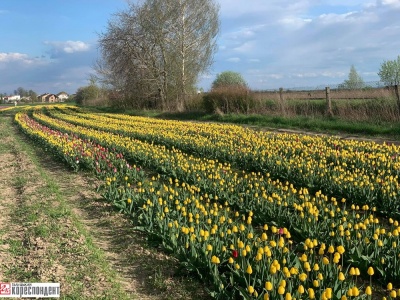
point(249, 270)
point(340, 249)
point(303, 277)
point(250, 289)
point(300, 289)
point(215, 260)
point(341, 276)
point(311, 293)
point(368, 290)
point(328, 293)
point(281, 290)
point(355, 291)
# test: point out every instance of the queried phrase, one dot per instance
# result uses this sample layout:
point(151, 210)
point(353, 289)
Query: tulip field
point(254, 214)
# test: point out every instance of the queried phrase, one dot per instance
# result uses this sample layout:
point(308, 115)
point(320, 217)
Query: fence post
point(396, 90)
point(328, 102)
point(281, 101)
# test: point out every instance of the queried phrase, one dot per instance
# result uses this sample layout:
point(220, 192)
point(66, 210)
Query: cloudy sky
point(51, 45)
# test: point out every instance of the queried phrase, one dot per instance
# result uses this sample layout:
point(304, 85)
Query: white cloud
point(8, 57)
point(68, 47)
point(246, 47)
point(333, 74)
point(294, 22)
point(19, 58)
point(390, 2)
point(305, 75)
point(244, 32)
point(233, 59)
point(332, 18)
point(262, 7)
point(275, 76)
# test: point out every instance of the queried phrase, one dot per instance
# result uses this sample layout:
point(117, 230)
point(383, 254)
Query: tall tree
point(354, 81)
point(389, 72)
point(158, 49)
point(33, 95)
point(198, 24)
point(390, 75)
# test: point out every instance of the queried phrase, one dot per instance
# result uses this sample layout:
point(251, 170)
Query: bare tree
point(198, 26)
point(128, 54)
point(157, 49)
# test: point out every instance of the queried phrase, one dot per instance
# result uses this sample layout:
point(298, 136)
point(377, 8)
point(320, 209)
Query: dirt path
point(54, 227)
point(40, 240)
point(7, 195)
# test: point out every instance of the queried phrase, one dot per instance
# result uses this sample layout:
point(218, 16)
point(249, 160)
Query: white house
point(62, 96)
point(11, 99)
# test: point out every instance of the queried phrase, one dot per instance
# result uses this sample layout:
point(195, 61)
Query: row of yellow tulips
point(363, 172)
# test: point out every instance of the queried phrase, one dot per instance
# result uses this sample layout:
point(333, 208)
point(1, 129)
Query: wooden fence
point(371, 93)
point(346, 102)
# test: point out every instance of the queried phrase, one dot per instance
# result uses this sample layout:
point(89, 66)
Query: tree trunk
point(182, 97)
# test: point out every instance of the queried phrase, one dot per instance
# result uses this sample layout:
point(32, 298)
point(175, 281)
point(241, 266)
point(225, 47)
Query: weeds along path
point(55, 227)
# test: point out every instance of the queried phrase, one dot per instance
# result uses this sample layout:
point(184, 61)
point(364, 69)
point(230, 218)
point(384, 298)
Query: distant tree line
point(23, 93)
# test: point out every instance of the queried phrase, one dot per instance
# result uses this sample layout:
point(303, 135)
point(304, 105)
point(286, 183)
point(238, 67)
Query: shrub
point(229, 99)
